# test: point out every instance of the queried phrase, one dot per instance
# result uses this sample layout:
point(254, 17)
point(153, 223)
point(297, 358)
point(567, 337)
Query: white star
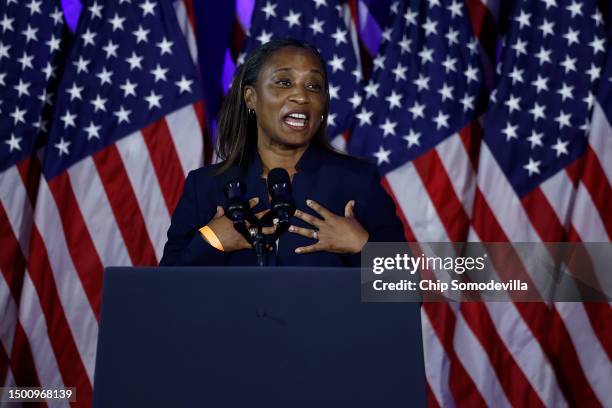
point(331, 119)
point(333, 91)
point(22, 88)
point(543, 55)
point(46, 98)
point(93, 131)
point(540, 84)
point(388, 127)
point(355, 100)
point(153, 100)
point(128, 88)
point(292, 18)
point(513, 103)
point(471, 74)
point(386, 34)
point(7, 23)
point(264, 37)
point(339, 36)
point(598, 45)
point(40, 125)
point(117, 22)
point(122, 115)
point(405, 44)
point(2, 77)
point(62, 147)
point(516, 75)
point(538, 111)
point(165, 46)
point(184, 84)
point(159, 73)
point(105, 76)
point(269, 9)
point(449, 64)
point(467, 102)
point(412, 138)
point(141, 34)
point(523, 19)
point(563, 119)
point(382, 155)
point(53, 43)
point(30, 34)
point(532, 167)
point(57, 16)
point(134, 61)
point(569, 64)
point(473, 46)
point(394, 100)
point(4, 51)
point(371, 89)
point(110, 49)
point(364, 117)
point(560, 147)
point(520, 47)
point(455, 9)
point(571, 36)
point(357, 74)
point(422, 82)
point(26, 61)
point(99, 104)
point(594, 72)
point(400, 72)
point(81, 65)
point(96, 10)
point(430, 27)
point(589, 100)
point(13, 143)
point(337, 63)
point(598, 18)
point(317, 26)
point(147, 8)
point(441, 120)
point(68, 119)
point(575, 9)
point(452, 37)
point(510, 131)
point(547, 28)
point(535, 139)
point(566, 92)
point(75, 92)
point(426, 54)
point(446, 92)
point(550, 3)
point(379, 62)
point(320, 3)
point(410, 17)
point(586, 127)
point(18, 115)
point(34, 7)
point(417, 110)
point(49, 71)
point(394, 7)
point(88, 38)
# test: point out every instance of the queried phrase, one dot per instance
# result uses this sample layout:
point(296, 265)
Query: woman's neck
point(276, 156)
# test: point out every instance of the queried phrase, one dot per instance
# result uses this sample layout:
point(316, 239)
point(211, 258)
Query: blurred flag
point(33, 40)
point(321, 24)
point(542, 177)
point(126, 129)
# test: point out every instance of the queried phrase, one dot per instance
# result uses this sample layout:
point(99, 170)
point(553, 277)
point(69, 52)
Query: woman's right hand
point(223, 228)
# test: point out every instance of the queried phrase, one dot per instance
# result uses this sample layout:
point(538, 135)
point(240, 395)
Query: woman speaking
point(275, 116)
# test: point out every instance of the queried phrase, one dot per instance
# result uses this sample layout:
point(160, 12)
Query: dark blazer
point(328, 178)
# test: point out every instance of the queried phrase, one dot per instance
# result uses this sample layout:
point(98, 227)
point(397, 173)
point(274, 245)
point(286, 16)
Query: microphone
point(282, 206)
point(237, 208)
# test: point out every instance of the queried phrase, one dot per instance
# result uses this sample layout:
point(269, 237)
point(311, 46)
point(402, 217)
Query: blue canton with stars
point(32, 35)
point(425, 86)
point(320, 23)
point(538, 117)
point(129, 67)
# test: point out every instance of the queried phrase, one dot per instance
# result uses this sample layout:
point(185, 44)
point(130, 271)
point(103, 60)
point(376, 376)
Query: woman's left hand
point(333, 233)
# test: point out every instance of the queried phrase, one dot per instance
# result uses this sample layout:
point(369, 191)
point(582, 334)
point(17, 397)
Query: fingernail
point(309, 202)
point(298, 250)
point(292, 228)
point(256, 199)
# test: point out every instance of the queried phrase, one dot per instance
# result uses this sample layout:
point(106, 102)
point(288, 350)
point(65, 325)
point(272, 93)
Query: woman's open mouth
point(297, 121)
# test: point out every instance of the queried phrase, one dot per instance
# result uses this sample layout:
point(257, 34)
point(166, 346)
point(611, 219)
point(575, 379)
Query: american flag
point(321, 23)
point(126, 128)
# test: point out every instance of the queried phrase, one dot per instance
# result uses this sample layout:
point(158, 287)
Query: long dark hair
point(237, 143)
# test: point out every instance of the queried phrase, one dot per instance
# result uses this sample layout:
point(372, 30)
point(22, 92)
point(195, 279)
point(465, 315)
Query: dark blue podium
point(250, 337)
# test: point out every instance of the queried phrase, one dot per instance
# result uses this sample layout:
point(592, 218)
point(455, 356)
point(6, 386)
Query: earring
point(251, 112)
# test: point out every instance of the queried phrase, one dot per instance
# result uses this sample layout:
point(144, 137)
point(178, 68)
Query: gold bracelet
point(209, 235)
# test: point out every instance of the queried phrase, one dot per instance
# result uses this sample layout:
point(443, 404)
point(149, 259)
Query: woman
point(274, 116)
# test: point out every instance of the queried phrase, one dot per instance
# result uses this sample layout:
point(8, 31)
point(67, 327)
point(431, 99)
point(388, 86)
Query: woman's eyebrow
point(314, 70)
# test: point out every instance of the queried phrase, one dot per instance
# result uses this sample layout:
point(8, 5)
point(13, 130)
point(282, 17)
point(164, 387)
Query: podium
point(236, 336)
